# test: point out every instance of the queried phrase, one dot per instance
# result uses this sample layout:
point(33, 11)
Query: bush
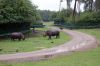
point(6, 28)
point(37, 25)
point(89, 19)
point(58, 21)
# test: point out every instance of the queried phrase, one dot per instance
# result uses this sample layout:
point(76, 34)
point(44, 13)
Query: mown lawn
point(88, 58)
point(31, 44)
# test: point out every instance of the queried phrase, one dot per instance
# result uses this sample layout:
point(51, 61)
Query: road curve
point(80, 42)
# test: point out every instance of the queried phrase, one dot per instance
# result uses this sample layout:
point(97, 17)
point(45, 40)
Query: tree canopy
point(13, 11)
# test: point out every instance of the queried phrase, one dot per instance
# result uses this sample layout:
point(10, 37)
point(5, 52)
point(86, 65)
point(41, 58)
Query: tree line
point(90, 17)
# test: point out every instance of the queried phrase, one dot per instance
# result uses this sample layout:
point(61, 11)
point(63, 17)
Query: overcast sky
point(52, 5)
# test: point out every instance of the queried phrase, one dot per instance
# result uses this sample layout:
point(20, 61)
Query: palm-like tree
point(97, 4)
point(88, 4)
point(74, 11)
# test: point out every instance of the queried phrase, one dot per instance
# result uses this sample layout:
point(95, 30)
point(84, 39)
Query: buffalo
point(51, 33)
point(17, 35)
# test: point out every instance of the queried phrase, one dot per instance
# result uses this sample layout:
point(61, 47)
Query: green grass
point(88, 58)
point(42, 29)
point(48, 23)
point(94, 32)
point(31, 44)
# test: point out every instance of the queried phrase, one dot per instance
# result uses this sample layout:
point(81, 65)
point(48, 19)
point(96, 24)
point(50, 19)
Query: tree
point(88, 5)
point(17, 15)
point(74, 11)
point(97, 5)
point(17, 11)
point(47, 15)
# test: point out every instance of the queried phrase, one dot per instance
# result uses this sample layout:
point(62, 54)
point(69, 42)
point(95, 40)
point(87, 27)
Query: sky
point(52, 5)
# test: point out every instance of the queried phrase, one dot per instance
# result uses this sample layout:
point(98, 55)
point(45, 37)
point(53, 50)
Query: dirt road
point(80, 42)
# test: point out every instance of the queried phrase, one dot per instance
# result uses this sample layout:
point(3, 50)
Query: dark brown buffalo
point(17, 35)
point(51, 33)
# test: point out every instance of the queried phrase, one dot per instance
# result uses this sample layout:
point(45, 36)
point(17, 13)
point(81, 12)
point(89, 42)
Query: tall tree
point(97, 5)
point(74, 11)
point(88, 5)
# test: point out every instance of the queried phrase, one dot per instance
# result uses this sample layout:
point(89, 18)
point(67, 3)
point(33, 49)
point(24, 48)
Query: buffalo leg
point(57, 36)
point(49, 37)
point(12, 39)
point(19, 39)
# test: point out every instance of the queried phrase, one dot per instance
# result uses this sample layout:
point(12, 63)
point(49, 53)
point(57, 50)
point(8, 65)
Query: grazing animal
point(17, 35)
point(51, 33)
point(61, 28)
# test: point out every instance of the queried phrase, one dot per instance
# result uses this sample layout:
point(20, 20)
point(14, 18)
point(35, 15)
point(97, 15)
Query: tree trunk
point(79, 4)
point(68, 3)
point(74, 11)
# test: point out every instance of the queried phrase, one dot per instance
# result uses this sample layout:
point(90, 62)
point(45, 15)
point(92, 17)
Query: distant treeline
point(47, 15)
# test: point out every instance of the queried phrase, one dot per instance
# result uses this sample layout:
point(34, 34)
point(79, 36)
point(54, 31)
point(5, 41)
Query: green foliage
point(85, 19)
point(17, 11)
point(47, 15)
point(58, 21)
point(86, 16)
point(54, 15)
point(89, 17)
point(63, 16)
point(7, 28)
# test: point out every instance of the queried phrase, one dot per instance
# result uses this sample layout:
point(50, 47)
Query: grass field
point(31, 44)
point(94, 32)
point(88, 58)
